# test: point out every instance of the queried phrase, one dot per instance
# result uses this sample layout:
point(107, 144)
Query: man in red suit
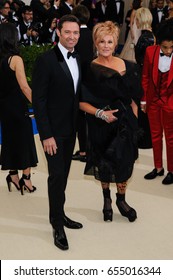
point(157, 101)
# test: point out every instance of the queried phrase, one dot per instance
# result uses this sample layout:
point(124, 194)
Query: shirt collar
point(83, 26)
point(63, 50)
point(71, 8)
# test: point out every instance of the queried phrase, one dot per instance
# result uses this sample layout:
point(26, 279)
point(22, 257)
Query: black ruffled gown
point(112, 148)
point(18, 149)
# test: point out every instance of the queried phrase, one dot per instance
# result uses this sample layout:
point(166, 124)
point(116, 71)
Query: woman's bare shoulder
point(16, 58)
point(15, 61)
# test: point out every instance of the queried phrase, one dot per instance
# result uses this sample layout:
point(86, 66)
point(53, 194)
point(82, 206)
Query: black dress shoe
point(153, 174)
point(71, 224)
point(60, 239)
point(168, 179)
point(79, 157)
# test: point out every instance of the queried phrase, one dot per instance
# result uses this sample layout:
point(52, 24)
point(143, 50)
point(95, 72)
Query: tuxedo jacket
point(150, 76)
point(23, 29)
point(101, 17)
point(112, 13)
point(55, 102)
point(155, 21)
point(64, 9)
point(166, 11)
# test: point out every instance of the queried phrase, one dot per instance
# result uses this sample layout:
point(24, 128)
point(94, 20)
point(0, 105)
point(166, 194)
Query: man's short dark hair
point(3, 2)
point(67, 18)
point(82, 13)
point(26, 8)
point(165, 31)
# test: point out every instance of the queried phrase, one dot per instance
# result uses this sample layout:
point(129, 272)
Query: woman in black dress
point(112, 118)
point(18, 150)
point(144, 21)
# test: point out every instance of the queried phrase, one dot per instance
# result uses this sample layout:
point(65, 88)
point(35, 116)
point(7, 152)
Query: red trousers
point(161, 120)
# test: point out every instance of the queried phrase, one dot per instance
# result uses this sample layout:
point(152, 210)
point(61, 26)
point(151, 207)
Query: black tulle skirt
point(112, 148)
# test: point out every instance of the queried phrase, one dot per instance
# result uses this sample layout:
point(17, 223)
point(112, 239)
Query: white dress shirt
point(160, 13)
point(118, 7)
point(72, 65)
point(165, 63)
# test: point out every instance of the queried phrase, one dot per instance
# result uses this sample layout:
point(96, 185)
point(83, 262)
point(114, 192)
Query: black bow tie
point(73, 54)
point(160, 10)
point(162, 54)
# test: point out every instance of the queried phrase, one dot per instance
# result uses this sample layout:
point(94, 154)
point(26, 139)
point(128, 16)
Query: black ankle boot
point(107, 209)
point(124, 208)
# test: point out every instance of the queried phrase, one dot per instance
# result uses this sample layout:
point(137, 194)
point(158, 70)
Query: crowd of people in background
point(36, 23)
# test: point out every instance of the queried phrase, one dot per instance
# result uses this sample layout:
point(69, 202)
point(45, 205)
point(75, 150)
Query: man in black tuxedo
point(158, 15)
point(101, 11)
point(115, 11)
point(56, 86)
point(27, 33)
point(66, 7)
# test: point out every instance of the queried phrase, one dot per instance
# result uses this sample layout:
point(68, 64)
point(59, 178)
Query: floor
point(25, 232)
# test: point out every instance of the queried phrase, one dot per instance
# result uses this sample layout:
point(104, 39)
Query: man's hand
point(49, 146)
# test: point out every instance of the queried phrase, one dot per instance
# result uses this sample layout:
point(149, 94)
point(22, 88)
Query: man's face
point(28, 16)
point(160, 4)
point(167, 47)
point(5, 10)
point(69, 35)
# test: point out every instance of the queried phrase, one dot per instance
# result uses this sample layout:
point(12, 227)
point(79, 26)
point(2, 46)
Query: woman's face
point(106, 46)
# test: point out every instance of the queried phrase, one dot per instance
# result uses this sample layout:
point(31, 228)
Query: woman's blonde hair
point(103, 29)
point(144, 18)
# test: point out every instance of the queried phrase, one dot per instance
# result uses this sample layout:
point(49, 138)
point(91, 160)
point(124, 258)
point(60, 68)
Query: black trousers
point(58, 169)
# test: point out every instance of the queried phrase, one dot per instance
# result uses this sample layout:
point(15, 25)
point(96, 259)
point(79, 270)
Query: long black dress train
point(112, 148)
point(18, 147)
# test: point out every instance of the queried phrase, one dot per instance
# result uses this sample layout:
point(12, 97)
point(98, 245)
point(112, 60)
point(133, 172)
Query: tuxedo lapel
point(170, 76)
point(155, 66)
point(62, 62)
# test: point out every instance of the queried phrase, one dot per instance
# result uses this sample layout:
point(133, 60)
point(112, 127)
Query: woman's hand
point(109, 116)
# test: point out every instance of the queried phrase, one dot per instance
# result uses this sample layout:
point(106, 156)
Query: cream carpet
point(25, 232)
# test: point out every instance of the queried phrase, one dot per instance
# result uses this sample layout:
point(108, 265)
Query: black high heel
point(107, 215)
point(107, 209)
point(10, 181)
point(23, 185)
point(125, 209)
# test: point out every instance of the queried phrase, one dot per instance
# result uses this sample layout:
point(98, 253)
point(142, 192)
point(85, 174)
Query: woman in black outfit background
point(18, 150)
point(143, 22)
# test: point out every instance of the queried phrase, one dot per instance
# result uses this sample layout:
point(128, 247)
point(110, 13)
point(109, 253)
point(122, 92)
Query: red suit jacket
point(150, 77)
